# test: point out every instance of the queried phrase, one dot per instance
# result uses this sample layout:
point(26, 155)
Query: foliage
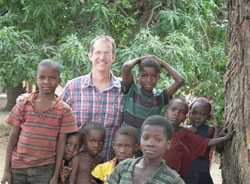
point(189, 34)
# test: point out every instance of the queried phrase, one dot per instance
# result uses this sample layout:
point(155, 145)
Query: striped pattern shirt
point(90, 105)
point(139, 104)
point(37, 141)
point(123, 174)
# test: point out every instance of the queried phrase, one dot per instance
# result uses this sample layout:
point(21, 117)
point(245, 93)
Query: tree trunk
point(236, 157)
point(12, 94)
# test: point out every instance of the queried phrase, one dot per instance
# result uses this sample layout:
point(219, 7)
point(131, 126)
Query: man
point(96, 97)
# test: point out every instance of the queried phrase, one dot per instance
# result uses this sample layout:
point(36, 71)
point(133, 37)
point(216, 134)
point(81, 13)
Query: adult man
point(96, 97)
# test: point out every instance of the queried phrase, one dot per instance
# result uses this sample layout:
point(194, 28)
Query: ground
point(4, 129)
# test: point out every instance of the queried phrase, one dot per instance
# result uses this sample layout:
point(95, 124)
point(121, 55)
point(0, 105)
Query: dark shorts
point(34, 175)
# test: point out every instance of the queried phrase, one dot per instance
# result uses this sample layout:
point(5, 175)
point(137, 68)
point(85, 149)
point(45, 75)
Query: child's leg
point(19, 176)
point(41, 175)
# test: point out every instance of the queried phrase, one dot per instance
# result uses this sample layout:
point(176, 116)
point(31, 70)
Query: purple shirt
point(90, 105)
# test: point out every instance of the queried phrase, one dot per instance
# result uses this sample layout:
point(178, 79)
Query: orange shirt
point(37, 141)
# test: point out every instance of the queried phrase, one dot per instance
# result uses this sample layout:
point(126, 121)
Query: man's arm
point(59, 156)
point(127, 77)
point(14, 134)
point(178, 79)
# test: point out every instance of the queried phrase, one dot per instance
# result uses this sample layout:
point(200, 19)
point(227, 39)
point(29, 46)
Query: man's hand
point(65, 173)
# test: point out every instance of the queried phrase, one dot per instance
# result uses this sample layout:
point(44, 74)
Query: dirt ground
point(215, 171)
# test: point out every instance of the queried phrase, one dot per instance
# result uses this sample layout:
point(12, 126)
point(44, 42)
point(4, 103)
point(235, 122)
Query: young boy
point(124, 146)
point(39, 125)
point(193, 145)
point(200, 113)
point(140, 101)
point(73, 143)
point(156, 134)
point(85, 162)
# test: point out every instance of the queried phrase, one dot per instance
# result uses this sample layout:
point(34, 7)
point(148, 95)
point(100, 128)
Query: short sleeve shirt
point(123, 174)
point(139, 104)
point(39, 131)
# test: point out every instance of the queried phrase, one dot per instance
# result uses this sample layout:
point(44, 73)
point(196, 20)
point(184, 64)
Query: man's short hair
point(49, 63)
point(157, 120)
point(180, 98)
point(92, 126)
point(106, 38)
point(150, 62)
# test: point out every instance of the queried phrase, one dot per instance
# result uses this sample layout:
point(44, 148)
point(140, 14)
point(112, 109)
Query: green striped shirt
point(123, 174)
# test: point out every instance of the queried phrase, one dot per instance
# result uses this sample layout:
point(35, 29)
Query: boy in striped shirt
point(40, 123)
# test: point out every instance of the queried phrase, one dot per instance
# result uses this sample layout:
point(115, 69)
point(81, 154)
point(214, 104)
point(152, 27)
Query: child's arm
point(179, 80)
point(72, 177)
point(127, 77)
point(216, 141)
point(11, 146)
point(59, 156)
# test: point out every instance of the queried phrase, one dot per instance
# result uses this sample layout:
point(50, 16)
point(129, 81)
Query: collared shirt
point(37, 141)
point(123, 174)
point(102, 171)
point(90, 105)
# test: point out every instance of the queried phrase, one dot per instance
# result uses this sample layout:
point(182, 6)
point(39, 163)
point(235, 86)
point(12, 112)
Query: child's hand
point(65, 173)
point(229, 134)
point(6, 178)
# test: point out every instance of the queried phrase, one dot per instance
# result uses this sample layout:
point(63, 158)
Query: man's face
point(102, 55)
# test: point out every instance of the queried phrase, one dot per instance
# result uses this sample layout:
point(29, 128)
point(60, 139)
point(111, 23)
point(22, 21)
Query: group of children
point(45, 145)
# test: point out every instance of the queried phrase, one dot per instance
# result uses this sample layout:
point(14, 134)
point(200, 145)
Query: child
point(39, 125)
point(124, 146)
point(186, 146)
point(73, 142)
point(156, 134)
point(200, 112)
point(85, 162)
point(140, 101)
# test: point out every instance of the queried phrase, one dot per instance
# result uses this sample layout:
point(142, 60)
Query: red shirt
point(37, 141)
point(185, 147)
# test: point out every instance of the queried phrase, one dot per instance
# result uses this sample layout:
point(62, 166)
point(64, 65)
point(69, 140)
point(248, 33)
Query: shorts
point(33, 175)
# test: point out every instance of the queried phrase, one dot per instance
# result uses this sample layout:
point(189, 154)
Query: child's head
point(48, 76)
point(155, 137)
point(125, 143)
point(73, 143)
point(149, 73)
point(94, 135)
point(176, 111)
point(200, 111)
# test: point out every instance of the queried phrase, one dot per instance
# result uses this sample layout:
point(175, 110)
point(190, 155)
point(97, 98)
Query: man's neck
point(101, 79)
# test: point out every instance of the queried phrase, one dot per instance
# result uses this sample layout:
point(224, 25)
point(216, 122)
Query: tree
point(19, 57)
point(236, 159)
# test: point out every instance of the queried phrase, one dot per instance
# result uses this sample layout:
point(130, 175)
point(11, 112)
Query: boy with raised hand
point(39, 122)
point(140, 99)
point(155, 140)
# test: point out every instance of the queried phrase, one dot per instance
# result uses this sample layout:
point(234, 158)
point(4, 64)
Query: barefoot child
point(186, 146)
point(39, 126)
point(124, 146)
point(73, 143)
point(156, 134)
point(140, 99)
point(86, 160)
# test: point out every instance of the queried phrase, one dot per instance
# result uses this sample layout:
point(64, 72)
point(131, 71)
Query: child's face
point(72, 147)
point(94, 141)
point(148, 78)
point(124, 147)
point(199, 113)
point(47, 80)
point(176, 112)
point(153, 142)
